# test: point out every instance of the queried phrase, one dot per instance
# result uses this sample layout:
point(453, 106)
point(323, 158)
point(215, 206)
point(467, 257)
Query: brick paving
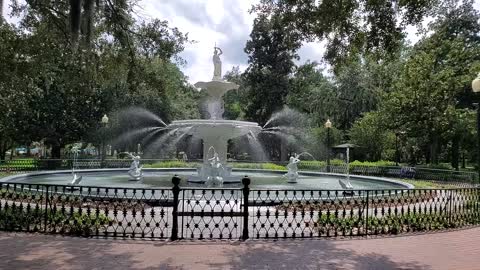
point(446, 250)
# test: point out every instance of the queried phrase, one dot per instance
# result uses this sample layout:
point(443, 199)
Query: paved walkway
point(449, 250)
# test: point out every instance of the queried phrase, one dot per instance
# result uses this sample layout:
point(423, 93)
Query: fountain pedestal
point(215, 135)
point(215, 132)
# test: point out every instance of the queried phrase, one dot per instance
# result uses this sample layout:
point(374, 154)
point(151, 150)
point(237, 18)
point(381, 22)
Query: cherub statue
point(135, 170)
point(292, 173)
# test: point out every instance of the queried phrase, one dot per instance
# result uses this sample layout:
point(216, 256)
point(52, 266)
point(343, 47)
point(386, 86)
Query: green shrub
point(260, 166)
point(395, 224)
point(171, 164)
point(379, 163)
point(439, 166)
point(16, 218)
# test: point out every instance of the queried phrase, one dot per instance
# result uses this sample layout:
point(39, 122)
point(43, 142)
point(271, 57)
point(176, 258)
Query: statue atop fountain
point(217, 64)
point(135, 170)
point(292, 174)
point(216, 88)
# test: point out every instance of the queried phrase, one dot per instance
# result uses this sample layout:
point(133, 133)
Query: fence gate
point(210, 213)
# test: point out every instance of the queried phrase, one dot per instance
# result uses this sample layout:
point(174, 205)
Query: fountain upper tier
point(216, 133)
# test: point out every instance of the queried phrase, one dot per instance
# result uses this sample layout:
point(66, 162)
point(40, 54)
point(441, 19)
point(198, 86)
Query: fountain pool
point(161, 178)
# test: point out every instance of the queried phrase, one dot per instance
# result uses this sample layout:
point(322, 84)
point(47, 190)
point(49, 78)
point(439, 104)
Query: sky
point(226, 23)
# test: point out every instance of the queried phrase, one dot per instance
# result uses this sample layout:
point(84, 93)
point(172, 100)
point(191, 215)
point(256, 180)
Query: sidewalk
point(448, 250)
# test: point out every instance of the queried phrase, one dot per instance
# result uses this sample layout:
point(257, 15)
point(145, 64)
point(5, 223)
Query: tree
point(120, 63)
point(350, 27)
point(375, 140)
point(435, 79)
point(235, 100)
point(14, 83)
point(271, 50)
point(312, 93)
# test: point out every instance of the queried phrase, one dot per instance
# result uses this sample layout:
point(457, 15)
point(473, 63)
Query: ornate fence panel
point(106, 211)
point(22, 207)
point(422, 210)
point(306, 213)
point(210, 213)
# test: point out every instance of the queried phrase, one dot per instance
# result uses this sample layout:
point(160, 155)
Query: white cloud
point(225, 23)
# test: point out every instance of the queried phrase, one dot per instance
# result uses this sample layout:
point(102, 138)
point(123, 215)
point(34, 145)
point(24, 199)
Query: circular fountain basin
point(116, 182)
point(162, 178)
point(225, 129)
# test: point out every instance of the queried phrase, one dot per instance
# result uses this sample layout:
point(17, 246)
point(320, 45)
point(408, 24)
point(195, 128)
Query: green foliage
point(352, 26)
point(396, 224)
point(372, 137)
point(171, 164)
point(15, 218)
point(379, 163)
point(76, 76)
point(435, 81)
point(271, 50)
point(260, 166)
point(312, 93)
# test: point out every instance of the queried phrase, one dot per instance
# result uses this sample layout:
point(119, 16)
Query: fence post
point(450, 208)
point(246, 191)
point(366, 215)
point(46, 208)
point(176, 192)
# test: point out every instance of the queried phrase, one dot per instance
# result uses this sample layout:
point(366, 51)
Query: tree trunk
point(3, 147)
point(455, 152)
point(75, 20)
point(88, 20)
point(1, 11)
point(56, 151)
point(434, 150)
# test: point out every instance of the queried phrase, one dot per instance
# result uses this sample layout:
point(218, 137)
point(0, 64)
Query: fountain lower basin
point(216, 133)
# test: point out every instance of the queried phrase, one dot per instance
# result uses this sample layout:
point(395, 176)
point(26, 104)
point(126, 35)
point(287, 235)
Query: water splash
point(135, 133)
point(306, 153)
point(256, 147)
point(286, 116)
point(140, 115)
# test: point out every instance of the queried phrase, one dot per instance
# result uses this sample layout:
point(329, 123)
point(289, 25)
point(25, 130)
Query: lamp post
point(328, 126)
point(104, 122)
point(476, 89)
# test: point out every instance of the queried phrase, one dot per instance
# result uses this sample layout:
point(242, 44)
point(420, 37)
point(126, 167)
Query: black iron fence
point(232, 213)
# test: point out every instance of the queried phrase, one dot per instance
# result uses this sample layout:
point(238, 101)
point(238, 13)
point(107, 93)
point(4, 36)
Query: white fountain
point(215, 132)
point(346, 185)
point(76, 178)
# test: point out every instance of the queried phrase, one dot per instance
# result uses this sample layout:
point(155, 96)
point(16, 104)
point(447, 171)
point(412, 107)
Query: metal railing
point(232, 213)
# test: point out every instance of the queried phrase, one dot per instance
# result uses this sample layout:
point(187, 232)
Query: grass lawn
point(426, 184)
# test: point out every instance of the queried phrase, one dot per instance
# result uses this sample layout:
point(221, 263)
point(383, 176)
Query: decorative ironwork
point(232, 213)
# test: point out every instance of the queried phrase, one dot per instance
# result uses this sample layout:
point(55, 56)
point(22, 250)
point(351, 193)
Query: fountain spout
point(76, 178)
